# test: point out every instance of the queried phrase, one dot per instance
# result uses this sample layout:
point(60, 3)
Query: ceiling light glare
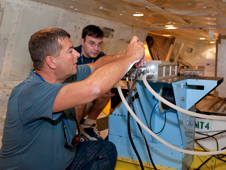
point(101, 7)
point(120, 14)
point(166, 35)
point(170, 27)
point(202, 38)
point(212, 42)
point(76, 9)
point(71, 6)
point(189, 4)
point(138, 15)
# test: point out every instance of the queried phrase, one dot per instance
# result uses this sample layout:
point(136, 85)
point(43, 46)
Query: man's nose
point(96, 47)
point(76, 54)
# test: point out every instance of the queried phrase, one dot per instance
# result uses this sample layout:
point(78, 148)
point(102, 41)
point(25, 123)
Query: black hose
point(130, 102)
point(151, 118)
point(129, 131)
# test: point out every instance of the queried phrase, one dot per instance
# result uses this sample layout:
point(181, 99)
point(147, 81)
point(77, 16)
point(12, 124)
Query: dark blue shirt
point(84, 60)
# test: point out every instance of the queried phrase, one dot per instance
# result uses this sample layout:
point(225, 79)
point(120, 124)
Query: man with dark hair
point(40, 125)
point(91, 45)
point(90, 51)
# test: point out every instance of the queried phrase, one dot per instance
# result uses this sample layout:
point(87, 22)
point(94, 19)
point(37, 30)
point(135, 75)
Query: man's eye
point(92, 43)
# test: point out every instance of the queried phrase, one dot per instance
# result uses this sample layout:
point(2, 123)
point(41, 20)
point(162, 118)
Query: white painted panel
point(73, 25)
point(124, 34)
point(3, 44)
point(4, 96)
point(32, 20)
point(221, 63)
point(7, 19)
point(121, 39)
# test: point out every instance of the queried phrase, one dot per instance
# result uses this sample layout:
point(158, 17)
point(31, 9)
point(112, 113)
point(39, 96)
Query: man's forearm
point(104, 60)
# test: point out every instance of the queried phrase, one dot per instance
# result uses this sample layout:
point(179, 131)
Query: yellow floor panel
point(130, 164)
point(107, 108)
point(212, 164)
point(120, 165)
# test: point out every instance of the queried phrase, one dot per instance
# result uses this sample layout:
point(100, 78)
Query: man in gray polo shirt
point(40, 124)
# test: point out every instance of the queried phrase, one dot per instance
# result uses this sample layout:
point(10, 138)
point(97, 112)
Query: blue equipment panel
point(172, 126)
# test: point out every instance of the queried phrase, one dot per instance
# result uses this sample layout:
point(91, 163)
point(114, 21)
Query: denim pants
point(95, 155)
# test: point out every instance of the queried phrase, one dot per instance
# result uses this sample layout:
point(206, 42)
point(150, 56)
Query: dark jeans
point(95, 155)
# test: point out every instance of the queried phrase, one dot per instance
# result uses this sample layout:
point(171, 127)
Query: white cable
point(179, 108)
point(156, 136)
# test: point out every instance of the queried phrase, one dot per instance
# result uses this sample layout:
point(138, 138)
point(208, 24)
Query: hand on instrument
point(135, 50)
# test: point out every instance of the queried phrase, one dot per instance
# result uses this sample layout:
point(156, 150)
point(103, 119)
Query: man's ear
point(51, 62)
point(82, 42)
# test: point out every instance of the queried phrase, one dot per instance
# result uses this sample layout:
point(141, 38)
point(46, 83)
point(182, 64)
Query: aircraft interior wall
point(22, 18)
point(192, 51)
point(187, 50)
